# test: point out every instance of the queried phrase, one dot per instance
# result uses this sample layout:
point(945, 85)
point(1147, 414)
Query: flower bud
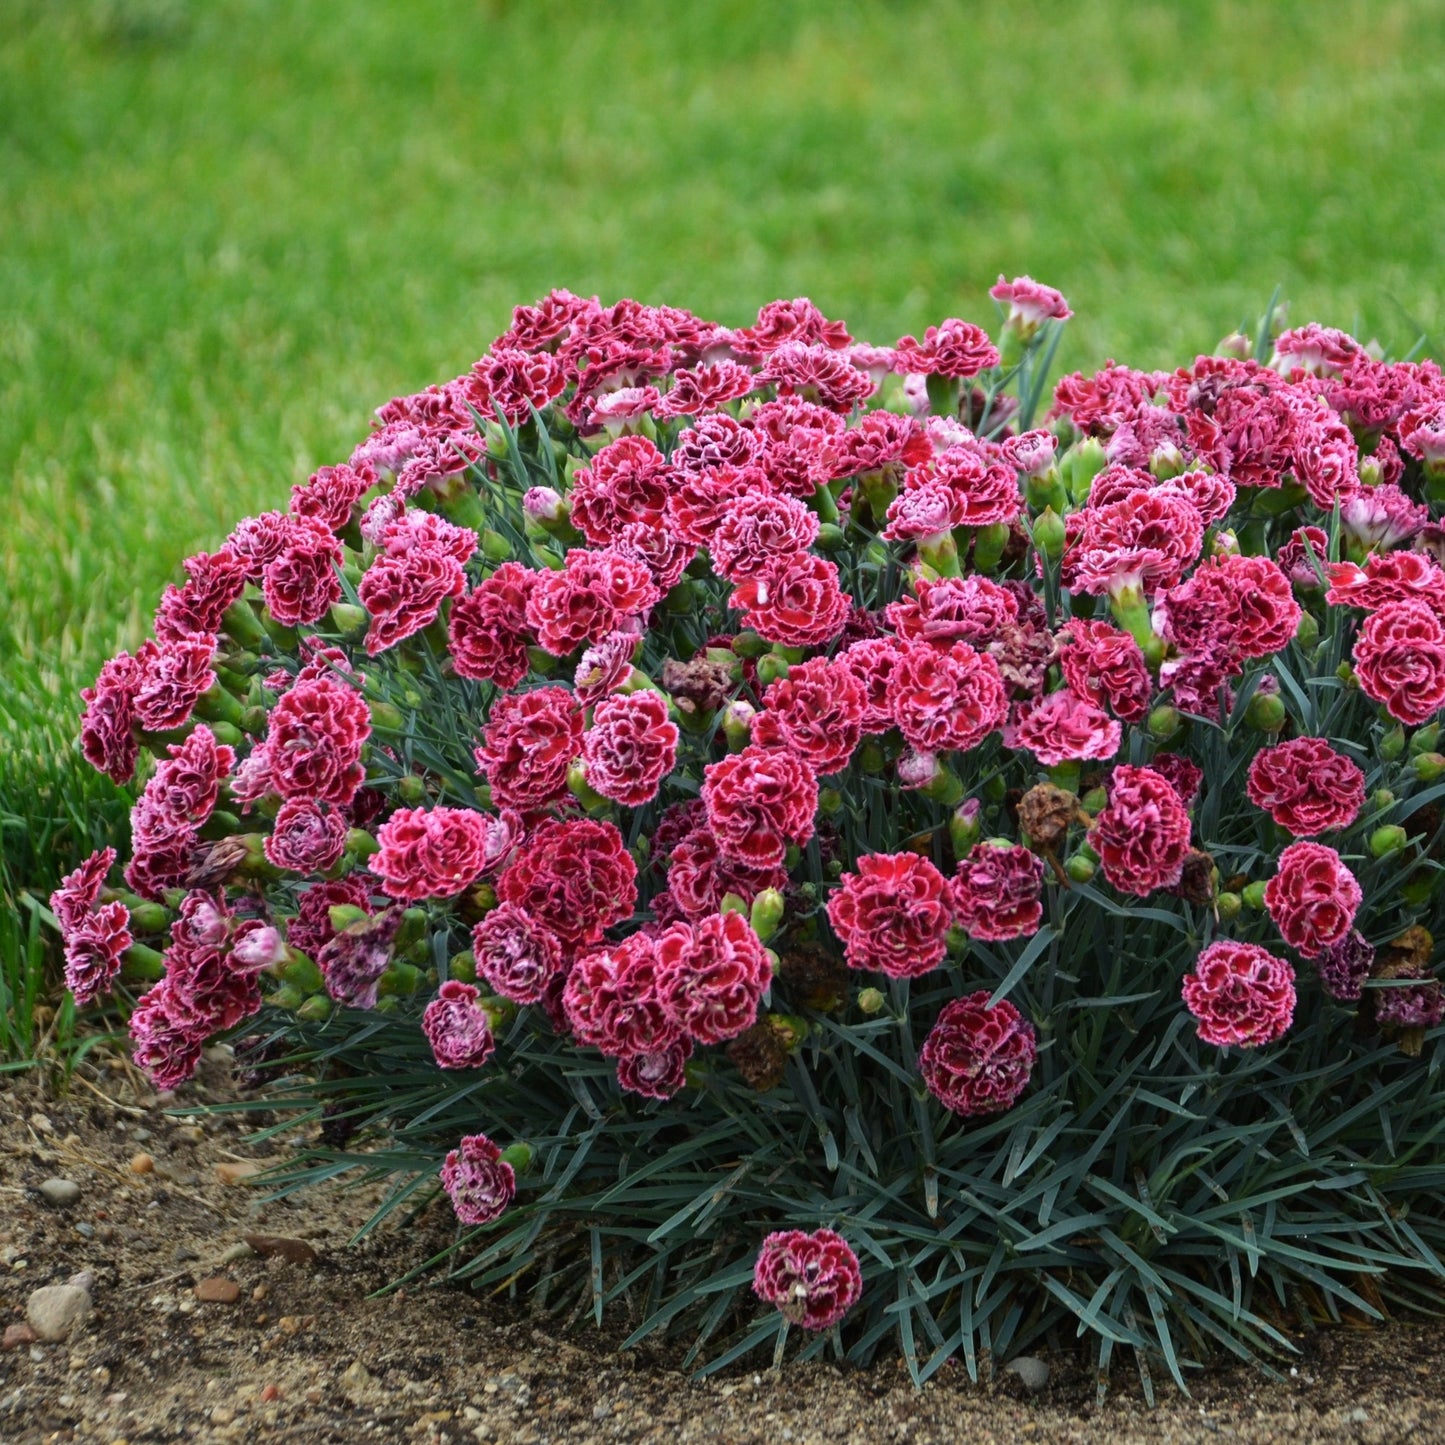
point(737, 722)
point(399, 981)
point(287, 996)
point(412, 930)
point(831, 537)
point(1045, 492)
point(495, 547)
point(1094, 801)
point(299, 972)
point(1266, 713)
point(1164, 723)
point(546, 507)
point(964, 826)
point(1049, 534)
point(1390, 838)
point(1080, 465)
point(767, 913)
point(871, 757)
point(360, 844)
point(463, 967)
point(749, 644)
point(871, 1000)
point(1429, 767)
point(582, 790)
point(348, 619)
point(519, 1156)
point(1236, 345)
point(387, 717)
point(771, 669)
point(1381, 799)
point(830, 802)
point(315, 1010)
point(988, 545)
point(342, 916)
point(733, 903)
point(1425, 739)
point(1392, 745)
point(925, 773)
point(1253, 896)
point(148, 917)
point(1307, 634)
point(140, 964)
point(411, 789)
point(1081, 869)
point(1228, 906)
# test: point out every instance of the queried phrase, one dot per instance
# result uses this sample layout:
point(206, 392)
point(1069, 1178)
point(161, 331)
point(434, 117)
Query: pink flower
point(1422, 432)
point(872, 661)
point(107, 727)
point(954, 609)
point(1240, 995)
point(657, 1075)
point(665, 554)
point(310, 931)
point(1306, 786)
point(516, 954)
point(1182, 775)
point(1382, 516)
point(301, 582)
point(794, 601)
point(758, 529)
point(1236, 605)
point(954, 348)
point(306, 837)
point(816, 711)
point(480, 1182)
point(704, 498)
point(628, 481)
point(575, 878)
point(996, 891)
point(431, 854)
point(216, 580)
point(759, 800)
point(947, 700)
point(977, 1059)
point(174, 675)
point(1064, 728)
point(528, 743)
point(604, 667)
point(95, 935)
point(1386, 577)
point(986, 491)
point(705, 388)
point(1295, 562)
point(780, 322)
point(1400, 661)
point(488, 628)
point(168, 1052)
point(515, 381)
point(1146, 541)
point(404, 591)
point(613, 999)
point(817, 373)
point(331, 493)
point(1103, 662)
point(1142, 836)
point(630, 747)
point(1030, 302)
point(314, 742)
point(1313, 898)
point(814, 1279)
point(892, 915)
point(699, 875)
point(711, 976)
point(354, 960)
point(592, 596)
point(457, 1027)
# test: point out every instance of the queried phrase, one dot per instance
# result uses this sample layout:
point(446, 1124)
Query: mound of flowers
point(788, 833)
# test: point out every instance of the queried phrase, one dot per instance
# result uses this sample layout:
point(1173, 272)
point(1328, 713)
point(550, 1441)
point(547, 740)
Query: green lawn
point(228, 229)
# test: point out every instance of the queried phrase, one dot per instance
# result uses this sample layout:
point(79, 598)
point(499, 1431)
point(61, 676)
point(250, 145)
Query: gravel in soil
point(197, 1335)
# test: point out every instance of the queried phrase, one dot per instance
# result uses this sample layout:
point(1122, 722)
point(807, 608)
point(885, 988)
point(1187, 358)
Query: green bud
point(287, 996)
point(299, 972)
point(140, 964)
point(683, 599)
point(1080, 465)
point(315, 1010)
point(1253, 896)
point(1228, 906)
point(831, 537)
point(1081, 869)
point(1094, 801)
point(988, 545)
point(346, 915)
point(360, 844)
point(149, 918)
point(1045, 492)
point(1307, 634)
point(1390, 838)
point(1392, 745)
point(583, 791)
point(1429, 766)
point(995, 790)
point(767, 913)
point(1418, 891)
point(1276, 501)
point(348, 619)
point(771, 669)
point(1382, 798)
point(463, 967)
point(749, 644)
point(400, 980)
point(830, 801)
point(1425, 739)
point(1266, 713)
point(964, 827)
point(1346, 675)
point(1164, 723)
point(495, 547)
point(733, 903)
point(519, 1156)
point(1049, 534)
point(411, 789)
point(871, 1000)
point(387, 717)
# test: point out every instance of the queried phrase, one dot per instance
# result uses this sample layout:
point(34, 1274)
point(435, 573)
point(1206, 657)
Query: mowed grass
point(229, 230)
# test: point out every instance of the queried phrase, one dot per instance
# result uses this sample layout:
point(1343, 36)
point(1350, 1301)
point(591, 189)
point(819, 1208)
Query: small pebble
point(54, 1310)
point(41, 1124)
point(235, 1172)
point(61, 1192)
point(17, 1335)
point(141, 1136)
point(85, 1231)
point(218, 1290)
point(1034, 1373)
point(142, 1164)
point(260, 1292)
point(271, 1392)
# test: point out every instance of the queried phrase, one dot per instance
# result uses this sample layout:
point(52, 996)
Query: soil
point(297, 1351)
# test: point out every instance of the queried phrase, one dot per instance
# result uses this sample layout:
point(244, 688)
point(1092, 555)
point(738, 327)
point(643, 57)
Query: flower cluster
point(659, 711)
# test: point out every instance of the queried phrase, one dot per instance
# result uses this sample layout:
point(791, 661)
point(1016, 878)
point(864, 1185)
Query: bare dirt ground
point(292, 1349)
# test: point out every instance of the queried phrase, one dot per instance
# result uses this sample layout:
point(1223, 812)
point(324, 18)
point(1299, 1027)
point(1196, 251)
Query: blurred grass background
point(229, 230)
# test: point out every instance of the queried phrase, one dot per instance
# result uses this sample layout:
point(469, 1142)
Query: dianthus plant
point(776, 833)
